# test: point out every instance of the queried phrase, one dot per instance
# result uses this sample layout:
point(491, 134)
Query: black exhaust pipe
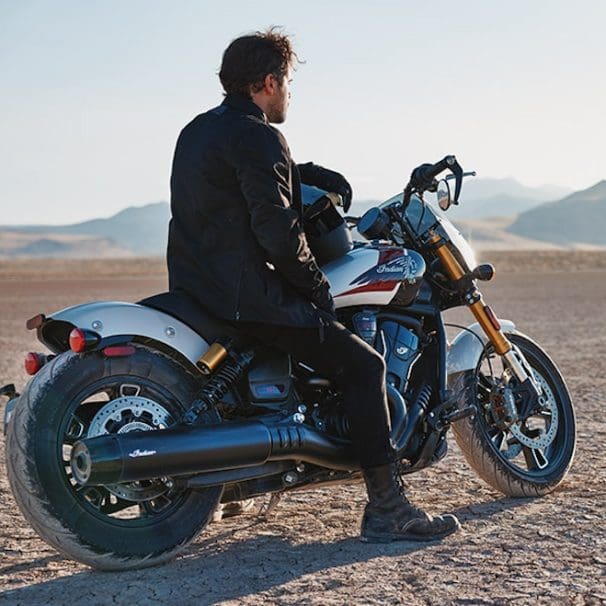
point(185, 450)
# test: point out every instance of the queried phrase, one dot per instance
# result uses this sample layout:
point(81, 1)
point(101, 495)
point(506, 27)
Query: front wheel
point(521, 457)
point(118, 526)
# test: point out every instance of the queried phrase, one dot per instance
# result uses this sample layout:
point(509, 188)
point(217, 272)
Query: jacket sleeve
point(263, 168)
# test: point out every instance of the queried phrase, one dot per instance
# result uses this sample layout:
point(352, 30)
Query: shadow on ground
point(224, 567)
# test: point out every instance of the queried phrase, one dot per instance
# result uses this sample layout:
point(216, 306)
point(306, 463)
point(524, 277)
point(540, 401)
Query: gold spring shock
point(212, 358)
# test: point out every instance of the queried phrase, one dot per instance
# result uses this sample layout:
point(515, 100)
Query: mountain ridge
point(143, 230)
point(579, 218)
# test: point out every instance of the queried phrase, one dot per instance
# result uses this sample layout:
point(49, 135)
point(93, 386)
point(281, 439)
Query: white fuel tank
point(372, 274)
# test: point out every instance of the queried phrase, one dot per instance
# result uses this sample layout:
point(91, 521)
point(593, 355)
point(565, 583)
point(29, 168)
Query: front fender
point(111, 318)
point(467, 347)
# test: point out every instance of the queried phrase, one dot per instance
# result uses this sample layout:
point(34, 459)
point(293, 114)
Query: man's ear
point(269, 84)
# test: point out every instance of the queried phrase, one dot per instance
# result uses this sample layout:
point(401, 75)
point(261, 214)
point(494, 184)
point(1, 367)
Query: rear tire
point(97, 526)
point(484, 445)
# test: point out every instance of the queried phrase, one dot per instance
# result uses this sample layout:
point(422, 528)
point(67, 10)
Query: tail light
point(34, 362)
point(81, 340)
point(118, 351)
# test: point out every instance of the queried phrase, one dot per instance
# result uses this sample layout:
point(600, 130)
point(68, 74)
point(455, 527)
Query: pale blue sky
point(93, 95)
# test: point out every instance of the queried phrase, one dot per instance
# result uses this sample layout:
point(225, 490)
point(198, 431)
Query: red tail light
point(33, 362)
point(82, 340)
point(77, 340)
point(119, 351)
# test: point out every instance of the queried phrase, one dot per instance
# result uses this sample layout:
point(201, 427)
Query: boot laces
point(399, 482)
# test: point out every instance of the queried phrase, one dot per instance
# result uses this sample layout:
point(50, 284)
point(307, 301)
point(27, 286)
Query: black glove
point(329, 180)
point(323, 300)
point(419, 179)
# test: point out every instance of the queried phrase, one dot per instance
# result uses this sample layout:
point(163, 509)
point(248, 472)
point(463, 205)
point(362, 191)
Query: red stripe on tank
point(372, 287)
point(388, 254)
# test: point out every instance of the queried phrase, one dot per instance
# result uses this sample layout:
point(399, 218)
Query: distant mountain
point(491, 234)
point(475, 189)
point(482, 198)
point(577, 219)
point(140, 230)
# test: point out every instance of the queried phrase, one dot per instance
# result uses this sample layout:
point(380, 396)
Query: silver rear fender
point(113, 318)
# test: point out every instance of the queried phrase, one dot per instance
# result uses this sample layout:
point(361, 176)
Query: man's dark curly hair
point(248, 59)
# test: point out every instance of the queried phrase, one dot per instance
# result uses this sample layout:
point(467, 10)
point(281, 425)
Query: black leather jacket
point(235, 238)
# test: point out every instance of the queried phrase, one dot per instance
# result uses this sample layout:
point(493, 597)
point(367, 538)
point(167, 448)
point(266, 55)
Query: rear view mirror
point(443, 194)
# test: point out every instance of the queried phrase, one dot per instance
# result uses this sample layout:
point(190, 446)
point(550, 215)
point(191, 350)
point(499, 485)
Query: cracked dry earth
point(510, 551)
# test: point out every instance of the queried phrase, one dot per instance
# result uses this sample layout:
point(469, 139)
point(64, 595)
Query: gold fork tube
point(499, 341)
point(496, 336)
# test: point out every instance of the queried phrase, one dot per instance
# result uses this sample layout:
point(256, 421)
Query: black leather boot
point(389, 515)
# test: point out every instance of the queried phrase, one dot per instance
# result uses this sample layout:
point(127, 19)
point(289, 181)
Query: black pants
point(357, 370)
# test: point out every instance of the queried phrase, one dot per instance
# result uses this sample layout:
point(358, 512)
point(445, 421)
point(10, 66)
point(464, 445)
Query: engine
point(399, 346)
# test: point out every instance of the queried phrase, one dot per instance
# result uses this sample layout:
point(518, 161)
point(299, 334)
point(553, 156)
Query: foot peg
point(457, 415)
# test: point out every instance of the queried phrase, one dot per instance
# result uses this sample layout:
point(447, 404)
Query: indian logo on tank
point(395, 265)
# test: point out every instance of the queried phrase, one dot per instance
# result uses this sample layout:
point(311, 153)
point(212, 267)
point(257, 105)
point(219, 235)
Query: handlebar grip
point(423, 176)
point(433, 170)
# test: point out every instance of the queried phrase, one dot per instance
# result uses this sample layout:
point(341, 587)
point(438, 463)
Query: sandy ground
point(545, 551)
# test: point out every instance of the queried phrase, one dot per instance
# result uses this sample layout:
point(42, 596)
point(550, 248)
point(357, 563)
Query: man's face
point(279, 100)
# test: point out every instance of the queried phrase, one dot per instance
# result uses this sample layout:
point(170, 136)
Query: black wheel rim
point(531, 460)
point(101, 501)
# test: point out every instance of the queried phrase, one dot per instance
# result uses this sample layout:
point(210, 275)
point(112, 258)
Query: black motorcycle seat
point(183, 307)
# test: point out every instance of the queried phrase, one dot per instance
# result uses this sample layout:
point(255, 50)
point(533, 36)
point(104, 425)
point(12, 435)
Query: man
point(237, 246)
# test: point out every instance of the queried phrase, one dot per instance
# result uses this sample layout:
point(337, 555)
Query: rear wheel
point(109, 527)
point(522, 457)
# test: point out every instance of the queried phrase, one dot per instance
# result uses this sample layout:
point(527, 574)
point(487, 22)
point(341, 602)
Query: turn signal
point(81, 340)
point(33, 362)
point(484, 272)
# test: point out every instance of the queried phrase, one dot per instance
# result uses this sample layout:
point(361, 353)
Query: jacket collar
point(244, 104)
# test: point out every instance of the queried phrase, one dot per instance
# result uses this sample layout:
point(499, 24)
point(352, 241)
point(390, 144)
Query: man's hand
point(329, 180)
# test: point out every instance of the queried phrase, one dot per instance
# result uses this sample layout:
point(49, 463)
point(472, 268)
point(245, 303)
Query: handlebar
point(430, 171)
point(423, 177)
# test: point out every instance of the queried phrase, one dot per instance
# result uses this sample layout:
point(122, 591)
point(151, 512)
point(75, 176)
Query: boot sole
point(392, 538)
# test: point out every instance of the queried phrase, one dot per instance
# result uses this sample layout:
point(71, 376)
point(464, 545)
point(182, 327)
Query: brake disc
point(548, 404)
point(131, 413)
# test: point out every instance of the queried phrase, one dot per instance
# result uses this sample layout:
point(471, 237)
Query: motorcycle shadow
point(223, 566)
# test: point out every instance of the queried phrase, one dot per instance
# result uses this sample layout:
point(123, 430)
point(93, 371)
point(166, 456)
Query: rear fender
point(466, 349)
point(115, 318)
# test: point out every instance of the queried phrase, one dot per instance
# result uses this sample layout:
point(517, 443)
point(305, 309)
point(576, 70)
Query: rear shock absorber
point(218, 385)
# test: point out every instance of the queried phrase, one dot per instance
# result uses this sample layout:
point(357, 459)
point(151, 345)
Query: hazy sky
point(94, 94)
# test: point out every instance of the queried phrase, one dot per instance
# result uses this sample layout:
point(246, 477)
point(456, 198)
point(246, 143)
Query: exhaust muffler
point(184, 450)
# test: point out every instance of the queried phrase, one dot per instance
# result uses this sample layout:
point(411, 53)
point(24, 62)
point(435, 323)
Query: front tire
point(528, 459)
point(107, 527)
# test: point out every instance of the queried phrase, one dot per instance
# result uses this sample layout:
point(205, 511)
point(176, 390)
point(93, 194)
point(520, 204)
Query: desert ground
point(509, 551)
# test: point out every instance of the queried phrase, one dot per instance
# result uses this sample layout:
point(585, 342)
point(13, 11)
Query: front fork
point(486, 319)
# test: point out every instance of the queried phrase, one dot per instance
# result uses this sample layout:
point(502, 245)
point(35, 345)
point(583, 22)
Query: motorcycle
point(145, 417)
